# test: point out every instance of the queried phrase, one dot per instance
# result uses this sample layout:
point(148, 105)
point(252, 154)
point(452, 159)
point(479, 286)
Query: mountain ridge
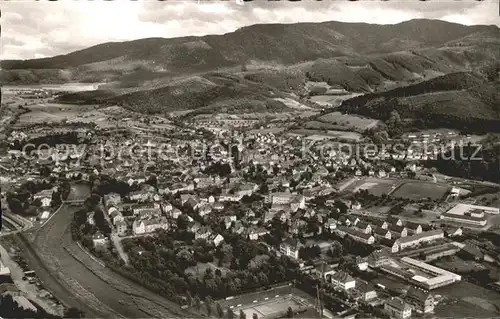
point(285, 43)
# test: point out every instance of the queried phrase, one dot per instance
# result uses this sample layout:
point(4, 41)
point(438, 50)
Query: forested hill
point(464, 101)
point(453, 46)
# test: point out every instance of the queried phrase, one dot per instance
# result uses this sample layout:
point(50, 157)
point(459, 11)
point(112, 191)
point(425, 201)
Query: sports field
point(374, 186)
point(273, 308)
point(420, 191)
point(271, 303)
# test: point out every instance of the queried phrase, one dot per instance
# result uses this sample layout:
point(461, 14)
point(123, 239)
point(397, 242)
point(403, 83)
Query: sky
point(43, 29)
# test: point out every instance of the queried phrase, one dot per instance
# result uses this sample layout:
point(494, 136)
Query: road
point(79, 280)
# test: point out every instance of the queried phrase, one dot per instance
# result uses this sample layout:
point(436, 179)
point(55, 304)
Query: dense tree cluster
point(453, 111)
point(19, 201)
point(242, 265)
point(465, 162)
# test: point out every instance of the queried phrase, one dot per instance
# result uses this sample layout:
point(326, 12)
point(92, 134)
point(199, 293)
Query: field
point(465, 299)
point(272, 308)
point(420, 191)
point(271, 303)
point(293, 104)
point(348, 121)
point(50, 112)
point(331, 100)
point(328, 134)
point(455, 264)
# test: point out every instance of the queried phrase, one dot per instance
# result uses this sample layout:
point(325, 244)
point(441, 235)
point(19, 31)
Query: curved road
point(78, 280)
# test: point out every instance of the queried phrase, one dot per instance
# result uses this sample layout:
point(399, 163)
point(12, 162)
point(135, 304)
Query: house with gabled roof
point(394, 221)
point(121, 227)
point(397, 308)
point(290, 247)
point(378, 258)
point(398, 231)
point(382, 233)
point(366, 291)
point(380, 223)
point(100, 241)
point(330, 224)
point(149, 225)
point(343, 280)
point(256, 232)
point(420, 300)
point(414, 228)
point(363, 227)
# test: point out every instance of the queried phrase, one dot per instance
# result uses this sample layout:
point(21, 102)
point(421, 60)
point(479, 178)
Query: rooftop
point(420, 236)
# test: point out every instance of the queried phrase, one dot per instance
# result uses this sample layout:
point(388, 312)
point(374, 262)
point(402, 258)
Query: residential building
point(90, 218)
point(417, 239)
point(215, 239)
point(100, 241)
point(358, 235)
point(256, 233)
point(413, 228)
point(174, 213)
point(420, 300)
point(343, 280)
point(397, 308)
point(454, 231)
point(146, 211)
point(330, 225)
point(140, 196)
point(394, 221)
point(398, 231)
point(112, 199)
point(378, 258)
point(364, 227)
point(392, 244)
point(366, 290)
point(149, 225)
point(121, 228)
point(380, 232)
point(290, 247)
point(380, 223)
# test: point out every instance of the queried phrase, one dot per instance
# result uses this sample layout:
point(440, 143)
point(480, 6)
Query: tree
point(264, 189)
point(56, 199)
point(289, 312)
point(37, 202)
point(189, 299)
point(73, 313)
point(197, 303)
point(209, 302)
point(220, 311)
point(394, 124)
point(182, 222)
point(15, 206)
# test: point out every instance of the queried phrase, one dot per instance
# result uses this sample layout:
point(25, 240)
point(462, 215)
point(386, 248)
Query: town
point(225, 212)
point(250, 159)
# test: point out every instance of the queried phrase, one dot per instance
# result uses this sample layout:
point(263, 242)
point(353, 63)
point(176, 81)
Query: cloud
point(41, 29)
